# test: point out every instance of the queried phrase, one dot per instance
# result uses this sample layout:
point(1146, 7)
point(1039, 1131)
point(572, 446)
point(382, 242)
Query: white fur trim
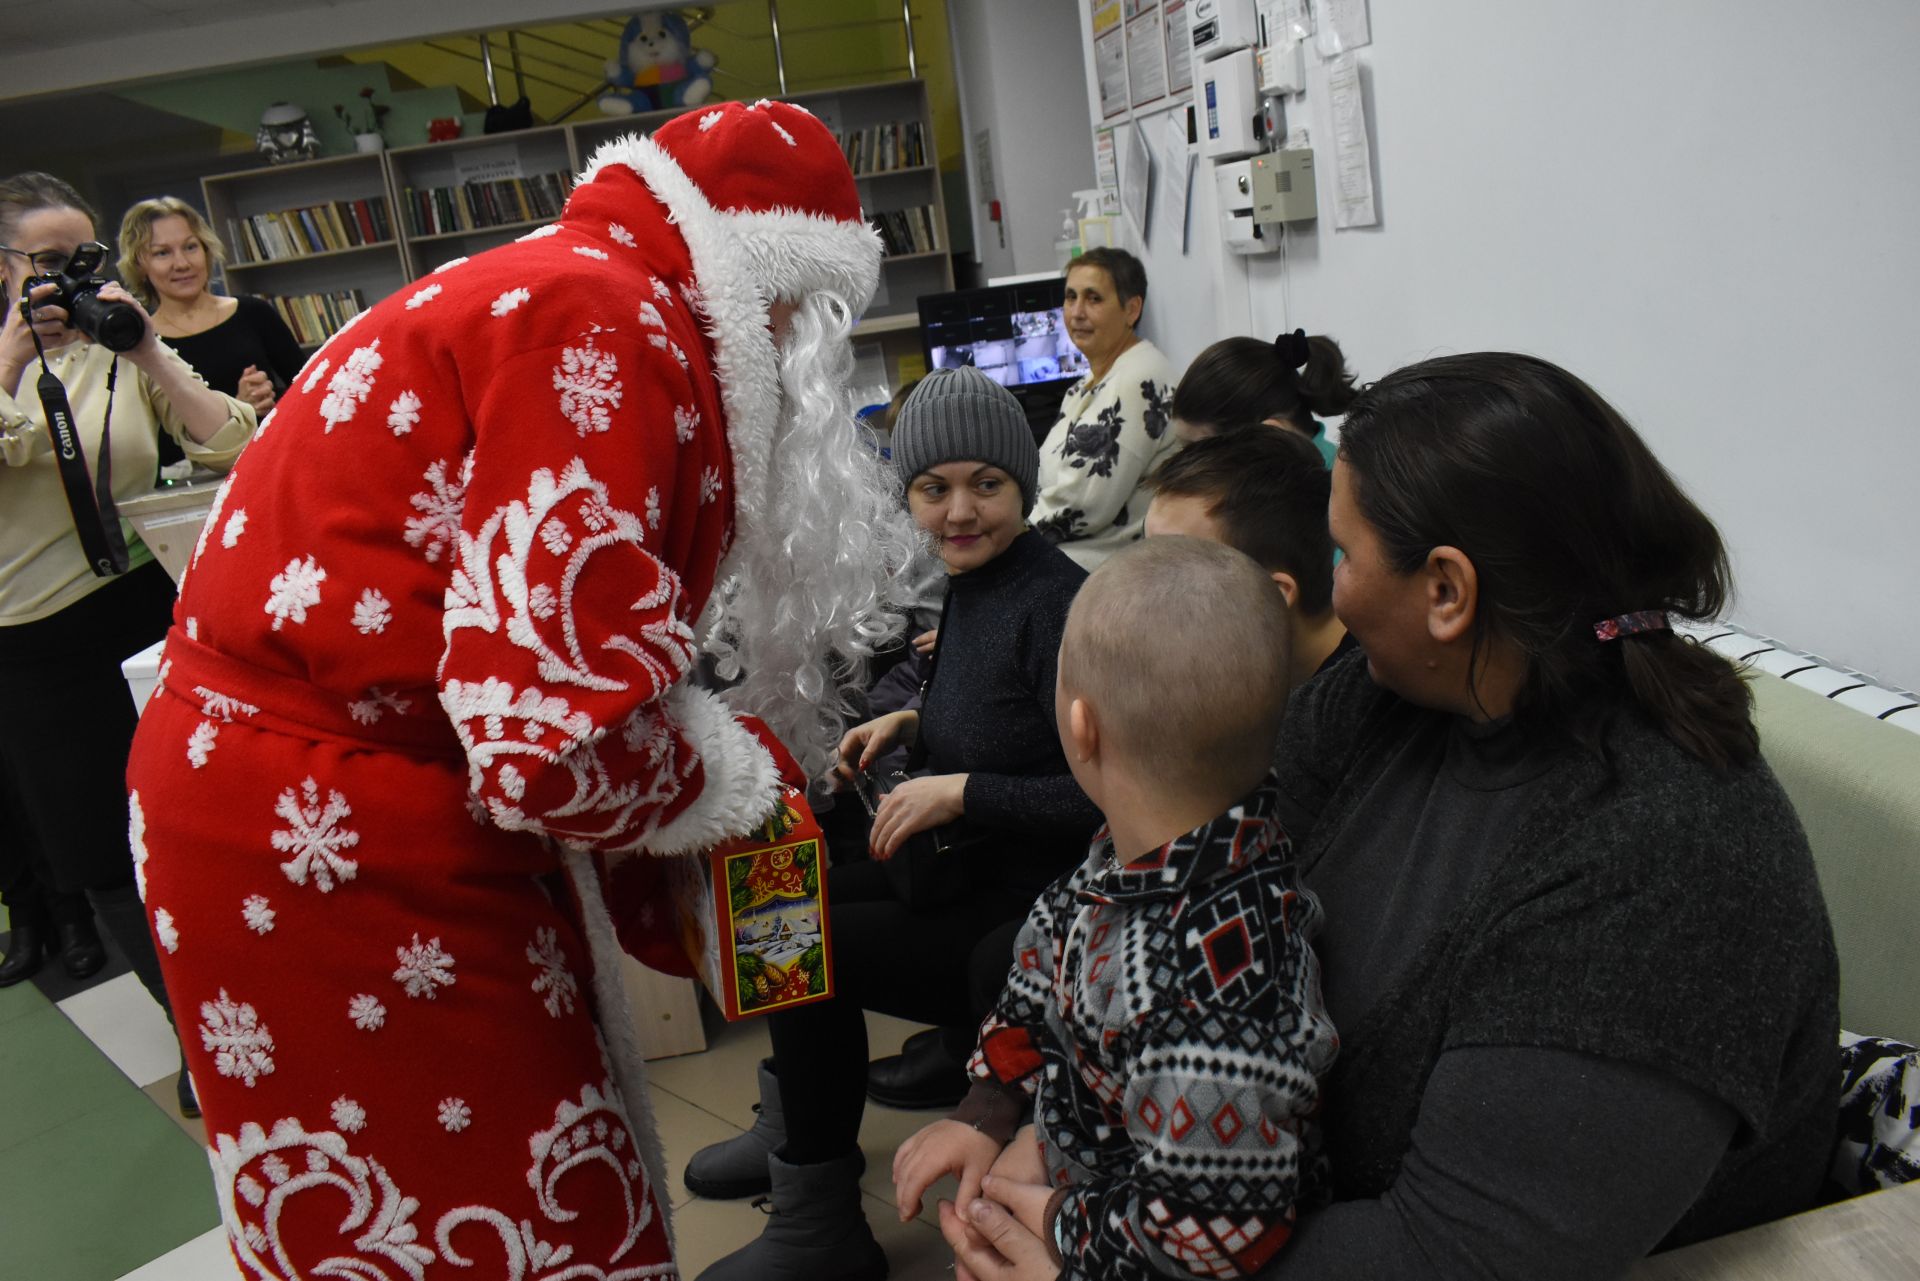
point(616, 1025)
point(742, 786)
point(796, 254)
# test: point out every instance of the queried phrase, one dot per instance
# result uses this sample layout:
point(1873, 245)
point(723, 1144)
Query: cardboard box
point(169, 520)
point(753, 916)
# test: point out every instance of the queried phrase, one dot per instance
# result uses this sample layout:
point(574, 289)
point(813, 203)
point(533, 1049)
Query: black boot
point(28, 942)
point(183, 1094)
point(78, 945)
point(817, 1231)
point(925, 1074)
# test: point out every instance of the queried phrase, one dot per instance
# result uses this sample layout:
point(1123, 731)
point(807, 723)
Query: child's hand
point(945, 1147)
point(1021, 1161)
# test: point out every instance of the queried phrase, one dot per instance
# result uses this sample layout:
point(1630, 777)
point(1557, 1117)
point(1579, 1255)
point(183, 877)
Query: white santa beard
point(816, 581)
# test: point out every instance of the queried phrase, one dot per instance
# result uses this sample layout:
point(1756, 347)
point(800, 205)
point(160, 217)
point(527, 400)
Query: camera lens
point(117, 326)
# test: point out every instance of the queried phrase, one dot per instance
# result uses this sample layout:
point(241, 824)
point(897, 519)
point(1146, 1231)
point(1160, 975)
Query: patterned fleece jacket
point(1164, 1017)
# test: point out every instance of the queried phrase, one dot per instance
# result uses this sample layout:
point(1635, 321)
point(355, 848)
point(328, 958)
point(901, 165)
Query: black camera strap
point(95, 517)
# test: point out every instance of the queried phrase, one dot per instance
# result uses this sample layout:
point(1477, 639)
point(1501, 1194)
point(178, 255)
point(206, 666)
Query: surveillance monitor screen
point(1014, 334)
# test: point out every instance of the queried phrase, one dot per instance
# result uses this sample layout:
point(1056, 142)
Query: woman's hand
point(256, 389)
point(16, 340)
point(1001, 1236)
point(923, 643)
point(913, 807)
point(866, 743)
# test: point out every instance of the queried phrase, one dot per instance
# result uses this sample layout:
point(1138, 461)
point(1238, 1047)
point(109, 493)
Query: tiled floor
point(101, 1179)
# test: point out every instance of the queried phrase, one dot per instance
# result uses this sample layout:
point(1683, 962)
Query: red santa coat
point(434, 649)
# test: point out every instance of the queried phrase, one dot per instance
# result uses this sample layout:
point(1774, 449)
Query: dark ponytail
point(1238, 382)
point(1569, 520)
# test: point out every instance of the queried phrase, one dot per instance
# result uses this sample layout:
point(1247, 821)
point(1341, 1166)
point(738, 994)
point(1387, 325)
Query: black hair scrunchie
point(1292, 348)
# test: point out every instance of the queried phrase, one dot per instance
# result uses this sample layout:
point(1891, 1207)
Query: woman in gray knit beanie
point(989, 771)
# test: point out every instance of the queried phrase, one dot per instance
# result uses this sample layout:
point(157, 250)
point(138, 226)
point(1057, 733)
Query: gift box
point(753, 915)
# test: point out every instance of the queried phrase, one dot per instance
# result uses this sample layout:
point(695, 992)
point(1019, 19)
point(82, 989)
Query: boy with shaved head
point(1163, 1013)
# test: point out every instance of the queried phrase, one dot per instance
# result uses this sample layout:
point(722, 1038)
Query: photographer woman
point(993, 757)
point(63, 630)
point(239, 345)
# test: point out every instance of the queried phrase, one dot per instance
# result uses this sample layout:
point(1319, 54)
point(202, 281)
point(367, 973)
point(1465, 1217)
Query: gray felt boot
point(738, 1167)
point(817, 1231)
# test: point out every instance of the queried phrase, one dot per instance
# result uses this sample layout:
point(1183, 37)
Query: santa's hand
point(1002, 1235)
point(917, 805)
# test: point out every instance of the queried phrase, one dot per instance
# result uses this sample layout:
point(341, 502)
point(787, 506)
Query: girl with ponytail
point(1293, 381)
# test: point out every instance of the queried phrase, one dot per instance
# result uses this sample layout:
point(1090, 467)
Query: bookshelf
point(343, 245)
point(480, 189)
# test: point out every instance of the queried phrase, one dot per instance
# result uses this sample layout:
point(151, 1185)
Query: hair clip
point(1293, 349)
point(1646, 620)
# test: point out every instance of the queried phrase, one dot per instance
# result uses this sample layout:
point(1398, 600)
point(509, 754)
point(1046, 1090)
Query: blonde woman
point(239, 345)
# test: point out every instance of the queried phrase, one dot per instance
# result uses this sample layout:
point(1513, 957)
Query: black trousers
point(67, 725)
point(928, 967)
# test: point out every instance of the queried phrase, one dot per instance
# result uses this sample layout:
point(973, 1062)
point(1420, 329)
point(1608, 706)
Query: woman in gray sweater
point(1575, 946)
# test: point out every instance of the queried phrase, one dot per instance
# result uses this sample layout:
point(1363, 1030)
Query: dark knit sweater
point(988, 712)
point(1647, 911)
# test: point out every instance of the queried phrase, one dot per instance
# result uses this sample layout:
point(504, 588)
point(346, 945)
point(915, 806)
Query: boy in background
point(1163, 1013)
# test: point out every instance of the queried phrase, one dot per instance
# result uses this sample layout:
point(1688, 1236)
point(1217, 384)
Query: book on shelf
point(312, 229)
point(475, 206)
point(900, 144)
point(314, 317)
point(906, 231)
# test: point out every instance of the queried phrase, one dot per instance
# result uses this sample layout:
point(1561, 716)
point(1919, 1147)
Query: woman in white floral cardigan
point(1114, 425)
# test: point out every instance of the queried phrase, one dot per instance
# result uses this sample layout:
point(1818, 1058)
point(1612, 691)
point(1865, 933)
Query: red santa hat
point(775, 183)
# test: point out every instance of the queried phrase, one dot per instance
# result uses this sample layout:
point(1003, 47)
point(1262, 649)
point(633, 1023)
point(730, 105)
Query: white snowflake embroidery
point(225, 706)
point(653, 508)
point(315, 374)
point(314, 836)
point(659, 340)
point(193, 629)
point(680, 356)
point(784, 134)
point(164, 931)
point(660, 290)
point(709, 485)
point(448, 265)
point(685, 422)
point(403, 415)
point(348, 1115)
point(421, 297)
point(257, 913)
point(542, 603)
point(367, 1013)
point(555, 537)
point(294, 590)
point(369, 710)
point(540, 233)
point(200, 744)
point(236, 526)
point(555, 987)
point(240, 1043)
point(711, 119)
point(372, 613)
point(585, 379)
point(621, 236)
point(424, 968)
point(351, 384)
point(137, 842)
point(438, 525)
point(509, 301)
point(455, 1115)
point(588, 251)
point(650, 315)
point(512, 782)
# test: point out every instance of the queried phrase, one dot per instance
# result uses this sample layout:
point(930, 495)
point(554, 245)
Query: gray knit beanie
point(961, 415)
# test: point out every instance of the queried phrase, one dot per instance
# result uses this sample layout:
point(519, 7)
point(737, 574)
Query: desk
point(1870, 1238)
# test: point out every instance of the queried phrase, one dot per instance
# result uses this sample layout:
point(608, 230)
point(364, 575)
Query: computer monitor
point(1014, 334)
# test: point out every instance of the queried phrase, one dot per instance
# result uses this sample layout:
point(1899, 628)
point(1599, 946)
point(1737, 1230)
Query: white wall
point(1709, 210)
point(1020, 81)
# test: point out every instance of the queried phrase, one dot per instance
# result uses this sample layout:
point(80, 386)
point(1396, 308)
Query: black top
point(253, 335)
point(1585, 1006)
point(988, 710)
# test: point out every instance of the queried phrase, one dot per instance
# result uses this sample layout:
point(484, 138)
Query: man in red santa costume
point(430, 679)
